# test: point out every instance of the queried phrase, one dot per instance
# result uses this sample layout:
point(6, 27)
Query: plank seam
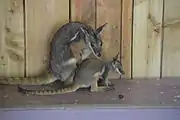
point(70, 19)
point(24, 19)
point(121, 32)
point(162, 38)
point(95, 14)
point(132, 5)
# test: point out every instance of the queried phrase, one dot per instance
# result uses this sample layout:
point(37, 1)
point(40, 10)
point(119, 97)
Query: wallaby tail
point(71, 88)
point(27, 80)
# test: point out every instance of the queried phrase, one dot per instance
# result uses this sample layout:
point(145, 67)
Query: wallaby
point(87, 75)
point(63, 61)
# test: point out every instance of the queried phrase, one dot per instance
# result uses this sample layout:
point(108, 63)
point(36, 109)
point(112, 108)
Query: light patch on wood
point(11, 37)
point(42, 18)
point(171, 52)
point(110, 11)
point(83, 11)
point(146, 39)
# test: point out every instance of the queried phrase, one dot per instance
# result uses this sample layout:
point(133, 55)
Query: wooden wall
point(156, 33)
point(27, 27)
point(145, 32)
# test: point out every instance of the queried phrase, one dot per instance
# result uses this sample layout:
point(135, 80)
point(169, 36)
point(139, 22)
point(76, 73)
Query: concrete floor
point(152, 92)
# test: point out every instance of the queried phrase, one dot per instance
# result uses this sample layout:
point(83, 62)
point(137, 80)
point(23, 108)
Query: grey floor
point(154, 92)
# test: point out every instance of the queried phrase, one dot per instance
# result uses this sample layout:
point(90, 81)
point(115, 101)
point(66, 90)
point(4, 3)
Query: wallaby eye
point(92, 45)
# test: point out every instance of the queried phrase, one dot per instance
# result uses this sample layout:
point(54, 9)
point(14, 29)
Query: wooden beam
point(147, 39)
point(11, 38)
point(171, 44)
point(127, 19)
point(43, 17)
point(110, 11)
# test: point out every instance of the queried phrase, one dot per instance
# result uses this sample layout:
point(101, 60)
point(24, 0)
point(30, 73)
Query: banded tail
point(37, 80)
point(69, 89)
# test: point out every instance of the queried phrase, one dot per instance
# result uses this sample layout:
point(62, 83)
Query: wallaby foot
point(103, 82)
point(108, 83)
point(95, 88)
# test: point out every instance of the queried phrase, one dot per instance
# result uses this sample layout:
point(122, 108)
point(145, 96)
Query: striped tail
point(69, 89)
point(39, 80)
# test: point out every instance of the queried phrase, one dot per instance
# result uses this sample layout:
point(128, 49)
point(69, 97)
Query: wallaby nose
point(99, 54)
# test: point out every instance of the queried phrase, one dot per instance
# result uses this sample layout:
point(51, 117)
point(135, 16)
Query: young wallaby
point(62, 63)
point(87, 75)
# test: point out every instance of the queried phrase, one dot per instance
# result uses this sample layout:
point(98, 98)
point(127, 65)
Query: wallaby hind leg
point(69, 80)
point(108, 83)
point(95, 88)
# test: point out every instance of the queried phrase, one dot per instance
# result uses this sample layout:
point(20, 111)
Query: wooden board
point(11, 38)
point(83, 11)
point(127, 19)
point(110, 11)
point(147, 38)
point(171, 46)
point(43, 17)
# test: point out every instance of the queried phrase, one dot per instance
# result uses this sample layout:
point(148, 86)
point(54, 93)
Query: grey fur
point(60, 51)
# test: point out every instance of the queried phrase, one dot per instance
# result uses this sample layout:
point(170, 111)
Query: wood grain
point(147, 38)
point(43, 17)
point(171, 46)
point(110, 11)
point(127, 19)
point(83, 11)
point(11, 38)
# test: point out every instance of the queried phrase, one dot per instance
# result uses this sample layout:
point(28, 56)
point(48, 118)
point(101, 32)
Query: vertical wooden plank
point(154, 38)
point(140, 38)
point(126, 36)
point(42, 17)
point(110, 11)
point(83, 11)
point(11, 38)
point(171, 45)
point(147, 38)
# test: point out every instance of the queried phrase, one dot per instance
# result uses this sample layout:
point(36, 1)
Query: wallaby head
point(117, 66)
point(93, 39)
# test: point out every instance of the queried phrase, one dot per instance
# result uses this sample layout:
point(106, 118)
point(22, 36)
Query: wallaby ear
point(84, 31)
point(98, 30)
point(75, 36)
point(116, 57)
